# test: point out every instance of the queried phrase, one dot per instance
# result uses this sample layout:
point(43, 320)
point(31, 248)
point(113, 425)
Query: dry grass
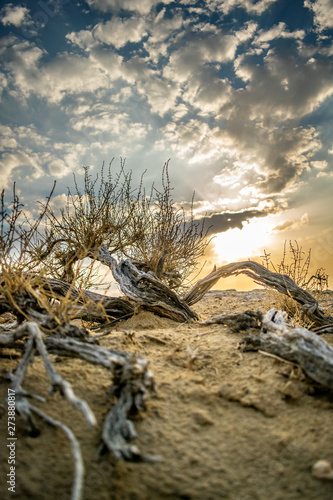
point(23, 272)
point(295, 263)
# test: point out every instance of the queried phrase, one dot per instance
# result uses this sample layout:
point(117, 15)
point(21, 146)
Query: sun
point(242, 244)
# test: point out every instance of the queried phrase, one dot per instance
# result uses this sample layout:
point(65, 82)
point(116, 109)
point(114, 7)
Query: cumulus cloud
point(104, 119)
point(221, 222)
point(118, 32)
point(278, 31)
point(325, 174)
point(200, 50)
point(67, 74)
point(284, 89)
point(16, 15)
point(251, 6)
point(323, 13)
point(319, 165)
point(26, 152)
point(19, 160)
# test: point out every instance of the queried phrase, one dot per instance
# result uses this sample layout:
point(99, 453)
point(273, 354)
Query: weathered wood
point(313, 354)
point(263, 276)
point(145, 288)
point(160, 264)
point(87, 304)
point(237, 322)
point(78, 481)
point(57, 381)
point(132, 383)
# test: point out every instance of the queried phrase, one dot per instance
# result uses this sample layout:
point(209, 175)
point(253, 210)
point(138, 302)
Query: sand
point(227, 424)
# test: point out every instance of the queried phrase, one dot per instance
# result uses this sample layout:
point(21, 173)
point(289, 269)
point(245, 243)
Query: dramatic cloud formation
point(237, 92)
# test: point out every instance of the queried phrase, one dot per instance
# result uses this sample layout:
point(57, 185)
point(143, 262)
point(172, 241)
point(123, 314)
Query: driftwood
point(145, 288)
point(262, 276)
point(300, 345)
point(237, 322)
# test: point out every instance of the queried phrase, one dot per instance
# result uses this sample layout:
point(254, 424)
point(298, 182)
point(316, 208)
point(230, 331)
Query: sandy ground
point(228, 425)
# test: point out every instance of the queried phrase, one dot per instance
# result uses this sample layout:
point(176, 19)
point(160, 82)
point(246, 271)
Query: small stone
point(322, 470)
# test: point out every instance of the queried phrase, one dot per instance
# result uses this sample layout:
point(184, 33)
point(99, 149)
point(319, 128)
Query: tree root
point(236, 322)
point(263, 276)
point(300, 345)
point(145, 288)
point(132, 382)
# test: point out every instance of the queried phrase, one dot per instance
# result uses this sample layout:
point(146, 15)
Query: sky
point(238, 94)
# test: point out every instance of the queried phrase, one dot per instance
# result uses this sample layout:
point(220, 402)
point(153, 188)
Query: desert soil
point(228, 424)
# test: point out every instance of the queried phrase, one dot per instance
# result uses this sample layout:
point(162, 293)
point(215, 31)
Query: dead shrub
point(295, 263)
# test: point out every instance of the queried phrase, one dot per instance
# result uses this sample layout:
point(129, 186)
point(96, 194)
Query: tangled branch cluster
point(151, 248)
point(43, 289)
point(149, 229)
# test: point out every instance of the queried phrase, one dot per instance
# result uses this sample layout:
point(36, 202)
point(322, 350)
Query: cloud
point(116, 127)
point(144, 6)
point(160, 94)
point(18, 160)
point(292, 224)
point(319, 165)
point(251, 6)
point(162, 26)
point(189, 138)
point(25, 152)
point(325, 174)
point(283, 88)
point(199, 50)
point(83, 39)
point(277, 31)
point(66, 74)
point(219, 223)
point(7, 141)
point(323, 13)
point(118, 32)
point(15, 15)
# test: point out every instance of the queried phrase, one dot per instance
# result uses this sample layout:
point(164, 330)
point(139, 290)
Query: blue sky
point(238, 93)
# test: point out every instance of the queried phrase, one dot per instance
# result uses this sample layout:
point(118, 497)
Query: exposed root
point(77, 488)
point(132, 382)
point(262, 276)
point(145, 288)
point(237, 322)
point(313, 354)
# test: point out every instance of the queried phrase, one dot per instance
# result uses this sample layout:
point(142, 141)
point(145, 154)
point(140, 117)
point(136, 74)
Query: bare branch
point(262, 276)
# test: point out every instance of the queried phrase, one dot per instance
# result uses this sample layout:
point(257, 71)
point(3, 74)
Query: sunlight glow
point(243, 244)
